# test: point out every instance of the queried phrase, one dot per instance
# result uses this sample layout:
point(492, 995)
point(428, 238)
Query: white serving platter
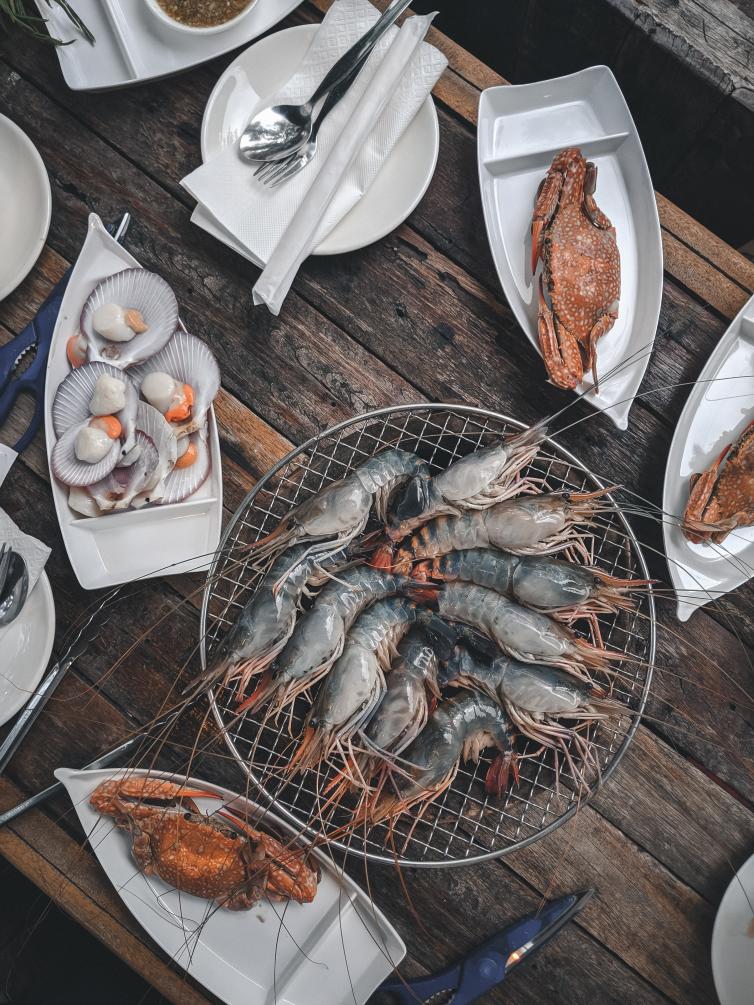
point(132, 45)
point(261, 70)
point(334, 951)
point(134, 544)
point(719, 407)
point(521, 128)
point(733, 940)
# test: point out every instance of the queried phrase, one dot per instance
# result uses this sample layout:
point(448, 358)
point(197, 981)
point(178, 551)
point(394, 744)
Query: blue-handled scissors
point(489, 964)
point(36, 337)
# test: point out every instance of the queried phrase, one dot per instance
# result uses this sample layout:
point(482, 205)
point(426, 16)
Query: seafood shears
point(35, 339)
point(491, 962)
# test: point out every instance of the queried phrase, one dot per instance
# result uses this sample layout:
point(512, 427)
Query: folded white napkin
point(33, 552)
point(356, 138)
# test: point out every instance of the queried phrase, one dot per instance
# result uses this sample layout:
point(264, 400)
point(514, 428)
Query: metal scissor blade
point(549, 920)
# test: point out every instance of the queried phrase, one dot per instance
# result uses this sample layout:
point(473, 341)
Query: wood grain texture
point(419, 316)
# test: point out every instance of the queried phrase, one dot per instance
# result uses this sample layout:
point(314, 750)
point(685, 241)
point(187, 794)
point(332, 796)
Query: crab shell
point(71, 404)
point(722, 497)
point(186, 359)
point(136, 289)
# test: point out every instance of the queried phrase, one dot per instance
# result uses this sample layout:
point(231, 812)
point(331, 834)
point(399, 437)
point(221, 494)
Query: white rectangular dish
point(520, 130)
point(720, 406)
point(132, 45)
point(133, 544)
point(335, 950)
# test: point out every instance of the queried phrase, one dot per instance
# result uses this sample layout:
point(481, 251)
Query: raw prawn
point(476, 481)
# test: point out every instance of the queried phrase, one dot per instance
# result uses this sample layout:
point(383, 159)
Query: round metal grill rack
point(464, 825)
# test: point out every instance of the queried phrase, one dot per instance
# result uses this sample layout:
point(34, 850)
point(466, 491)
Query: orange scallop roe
point(109, 424)
point(188, 457)
point(182, 410)
point(74, 354)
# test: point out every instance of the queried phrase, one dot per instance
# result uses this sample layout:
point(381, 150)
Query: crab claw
point(112, 796)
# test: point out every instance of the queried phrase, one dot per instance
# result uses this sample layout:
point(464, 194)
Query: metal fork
point(274, 173)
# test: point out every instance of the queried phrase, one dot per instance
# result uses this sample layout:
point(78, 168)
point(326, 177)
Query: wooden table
point(418, 316)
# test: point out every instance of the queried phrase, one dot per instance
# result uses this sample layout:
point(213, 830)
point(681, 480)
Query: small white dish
point(733, 940)
point(132, 46)
point(25, 647)
point(133, 544)
point(396, 191)
point(26, 205)
point(335, 950)
point(719, 407)
point(161, 14)
point(521, 128)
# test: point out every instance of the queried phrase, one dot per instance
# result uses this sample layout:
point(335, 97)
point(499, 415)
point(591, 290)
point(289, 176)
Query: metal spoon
point(279, 131)
point(14, 592)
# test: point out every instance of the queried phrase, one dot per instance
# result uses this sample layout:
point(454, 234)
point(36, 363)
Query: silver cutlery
point(278, 131)
point(274, 173)
point(15, 589)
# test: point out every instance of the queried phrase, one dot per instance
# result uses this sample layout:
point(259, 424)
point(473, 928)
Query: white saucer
point(261, 70)
point(733, 940)
point(25, 647)
point(27, 205)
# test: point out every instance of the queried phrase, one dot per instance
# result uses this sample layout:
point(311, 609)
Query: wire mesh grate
point(464, 825)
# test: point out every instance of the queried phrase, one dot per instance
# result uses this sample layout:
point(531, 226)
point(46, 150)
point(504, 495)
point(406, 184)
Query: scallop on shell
point(154, 424)
point(118, 489)
point(68, 469)
point(187, 359)
point(71, 404)
point(136, 289)
point(183, 482)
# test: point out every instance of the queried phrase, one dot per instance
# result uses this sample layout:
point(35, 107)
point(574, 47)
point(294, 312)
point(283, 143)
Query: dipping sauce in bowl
point(207, 15)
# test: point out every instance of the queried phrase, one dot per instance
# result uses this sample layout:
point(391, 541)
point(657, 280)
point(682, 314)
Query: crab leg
point(602, 327)
point(548, 195)
point(559, 348)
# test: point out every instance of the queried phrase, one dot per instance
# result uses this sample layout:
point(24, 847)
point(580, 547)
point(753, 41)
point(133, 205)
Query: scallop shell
point(118, 489)
point(71, 404)
point(158, 429)
point(188, 359)
point(183, 482)
point(69, 470)
point(81, 502)
point(148, 293)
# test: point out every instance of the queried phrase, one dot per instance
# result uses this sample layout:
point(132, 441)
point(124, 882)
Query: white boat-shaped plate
point(720, 406)
point(334, 951)
point(135, 544)
point(132, 45)
point(733, 940)
point(521, 128)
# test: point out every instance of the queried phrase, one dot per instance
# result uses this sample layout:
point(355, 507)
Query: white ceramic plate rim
point(688, 605)
point(652, 297)
point(717, 933)
point(44, 208)
point(196, 507)
point(391, 216)
point(9, 709)
point(87, 779)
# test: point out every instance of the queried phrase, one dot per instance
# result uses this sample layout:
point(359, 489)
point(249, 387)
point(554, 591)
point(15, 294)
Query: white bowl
point(27, 205)
point(165, 18)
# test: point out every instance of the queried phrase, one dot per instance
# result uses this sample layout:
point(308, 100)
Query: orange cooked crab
point(581, 269)
point(219, 857)
point(722, 497)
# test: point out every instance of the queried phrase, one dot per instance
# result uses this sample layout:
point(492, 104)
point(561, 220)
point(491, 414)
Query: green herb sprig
point(19, 13)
